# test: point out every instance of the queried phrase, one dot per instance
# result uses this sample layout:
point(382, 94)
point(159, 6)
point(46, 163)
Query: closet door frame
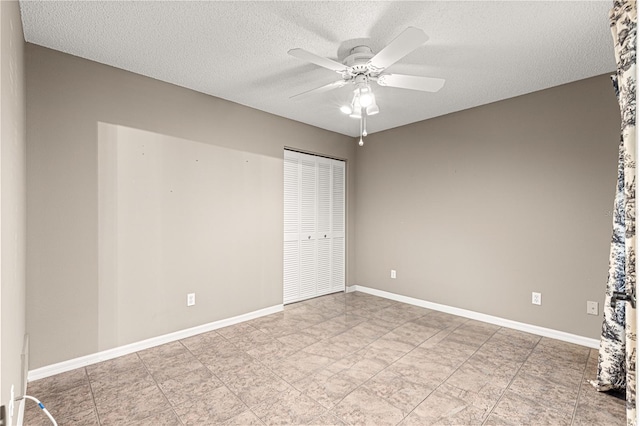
point(310, 260)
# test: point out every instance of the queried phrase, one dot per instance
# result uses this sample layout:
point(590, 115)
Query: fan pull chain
point(364, 118)
point(361, 127)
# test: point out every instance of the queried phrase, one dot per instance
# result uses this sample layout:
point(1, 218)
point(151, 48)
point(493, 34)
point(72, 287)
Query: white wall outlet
point(592, 308)
point(191, 299)
point(393, 273)
point(536, 298)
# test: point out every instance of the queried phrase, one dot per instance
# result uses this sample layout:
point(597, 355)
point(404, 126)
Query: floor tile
point(440, 320)
point(255, 384)
point(129, 404)
point(214, 407)
point(201, 342)
point(82, 418)
point(441, 408)
point(501, 349)
point(158, 354)
point(364, 407)
point(308, 362)
point(411, 333)
point(416, 368)
point(327, 329)
point(334, 349)
point(272, 351)
point(485, 399)
point(114, 366)
point(327, 386)
point(298, 340)
point(525, 411)
point(246, 418)
point(290, 407)
point(476, 376)
point(326, 419)
point(58, 383)
point(162, 418)
point(589, 415)
point(178, 365)
point(400, 391)
point(601, 401)
point(65, 404)
point(105, 382)
point(248, 340)
point(340, 359)
point(235, 330)
point(178, 389)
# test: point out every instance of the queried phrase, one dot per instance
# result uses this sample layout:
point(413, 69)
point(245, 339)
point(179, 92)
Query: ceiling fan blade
point(321, 89)
point(409, 40)
point(318, 60)
point(413, 82)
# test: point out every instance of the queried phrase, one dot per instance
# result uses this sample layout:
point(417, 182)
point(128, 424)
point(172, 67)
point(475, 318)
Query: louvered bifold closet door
point(338, 225)
point(308, 207)
point(291, 272)
point(324, 226)
point(314, 226)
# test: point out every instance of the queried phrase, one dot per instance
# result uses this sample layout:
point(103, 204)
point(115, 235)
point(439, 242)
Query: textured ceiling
point(486, 50)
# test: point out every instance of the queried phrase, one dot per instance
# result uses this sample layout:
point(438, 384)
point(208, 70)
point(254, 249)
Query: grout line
point(348, 310)
point(93, 396)
point(511, 381)
point(457, 368)
point(222, 381)
point(582, 382)
point(146, 367)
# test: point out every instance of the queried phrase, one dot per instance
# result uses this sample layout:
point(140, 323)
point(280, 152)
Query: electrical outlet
point(536, 298)
point(592, 308)
point(191, 299)
point(393, 273)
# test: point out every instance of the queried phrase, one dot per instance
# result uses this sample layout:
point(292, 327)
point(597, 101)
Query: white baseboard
point(72, 364)
point(533, 329)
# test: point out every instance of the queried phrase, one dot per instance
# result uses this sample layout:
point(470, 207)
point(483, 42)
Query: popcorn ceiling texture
point(486, 50)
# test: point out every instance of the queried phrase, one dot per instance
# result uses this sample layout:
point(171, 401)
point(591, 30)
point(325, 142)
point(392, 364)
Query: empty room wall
point(82, 113)
point(12, 202)
point(479, 208)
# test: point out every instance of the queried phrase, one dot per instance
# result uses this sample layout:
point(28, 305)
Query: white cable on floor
point(41, 405)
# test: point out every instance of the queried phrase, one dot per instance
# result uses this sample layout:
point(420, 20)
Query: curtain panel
point(617, 356)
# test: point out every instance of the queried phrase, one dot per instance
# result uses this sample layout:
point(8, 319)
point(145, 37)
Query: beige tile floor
point(342, 359)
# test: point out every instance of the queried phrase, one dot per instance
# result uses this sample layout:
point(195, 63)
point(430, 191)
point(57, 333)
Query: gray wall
point(479, 208)
point(12, 200)
point(71, 304)
point(474, 210)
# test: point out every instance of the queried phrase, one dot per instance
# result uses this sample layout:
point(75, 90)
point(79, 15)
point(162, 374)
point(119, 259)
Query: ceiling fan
point(363, 66)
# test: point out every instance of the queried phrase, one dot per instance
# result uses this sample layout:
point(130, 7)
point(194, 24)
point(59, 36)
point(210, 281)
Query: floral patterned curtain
point(617, 357)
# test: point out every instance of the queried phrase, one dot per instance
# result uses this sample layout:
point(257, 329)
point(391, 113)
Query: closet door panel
point(337, 262)
point(307, 269)
point(338, 198)
point(308, 197)
point(314, 224)
point(291, 193)
point(291, 272)
point(338, 251)
point(324, 265)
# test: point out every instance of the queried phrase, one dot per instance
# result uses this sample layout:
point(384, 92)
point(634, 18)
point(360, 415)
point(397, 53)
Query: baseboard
point(533, 329)
point(72, 364)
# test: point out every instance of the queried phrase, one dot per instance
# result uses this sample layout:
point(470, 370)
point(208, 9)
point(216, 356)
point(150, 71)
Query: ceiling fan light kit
point(362, 66)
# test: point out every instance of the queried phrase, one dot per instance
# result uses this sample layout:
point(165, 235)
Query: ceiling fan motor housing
point(358, 59)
